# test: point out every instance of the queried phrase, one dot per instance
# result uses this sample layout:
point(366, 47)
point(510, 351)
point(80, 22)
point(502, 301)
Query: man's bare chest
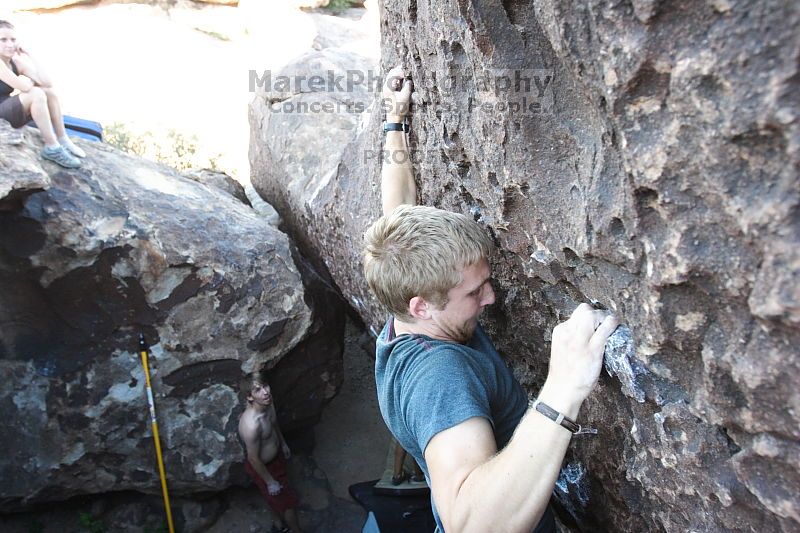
point(266, 425)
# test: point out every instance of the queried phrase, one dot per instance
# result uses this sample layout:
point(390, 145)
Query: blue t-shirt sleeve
point(443, 391)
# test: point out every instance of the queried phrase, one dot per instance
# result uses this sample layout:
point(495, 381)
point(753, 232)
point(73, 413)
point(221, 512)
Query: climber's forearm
point(397, 175)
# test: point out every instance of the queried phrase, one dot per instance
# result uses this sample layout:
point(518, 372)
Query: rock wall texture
point(299, 136)
point(88, 259)
point(219, 180)
point(650, 163)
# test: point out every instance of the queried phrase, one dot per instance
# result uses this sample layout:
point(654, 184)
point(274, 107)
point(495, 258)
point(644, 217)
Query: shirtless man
point(267, 452)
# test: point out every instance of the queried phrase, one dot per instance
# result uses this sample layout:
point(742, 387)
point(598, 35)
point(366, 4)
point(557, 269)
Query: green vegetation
point(338, 5)
point(172, 148)
point(90, 524)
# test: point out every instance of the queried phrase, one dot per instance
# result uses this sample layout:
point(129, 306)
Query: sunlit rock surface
point(650, 164)
point(302, 120)
point(219, 180)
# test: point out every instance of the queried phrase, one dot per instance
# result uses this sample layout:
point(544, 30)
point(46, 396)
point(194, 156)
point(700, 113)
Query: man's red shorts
point(287, 498)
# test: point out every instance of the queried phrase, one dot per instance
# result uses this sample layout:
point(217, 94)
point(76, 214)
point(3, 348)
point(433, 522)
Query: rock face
point(219, 180)
point(90, 258)
point(643, 155)
point(300, 130)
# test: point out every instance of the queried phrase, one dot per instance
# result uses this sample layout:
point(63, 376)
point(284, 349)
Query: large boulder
point(219, 180)
point(642, 155)
point(302, 119)
point(90, 258)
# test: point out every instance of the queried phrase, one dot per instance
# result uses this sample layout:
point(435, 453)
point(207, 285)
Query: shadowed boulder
point(91, 257)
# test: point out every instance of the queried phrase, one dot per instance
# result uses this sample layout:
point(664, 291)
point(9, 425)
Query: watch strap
point(562, 419)
point(395, 126)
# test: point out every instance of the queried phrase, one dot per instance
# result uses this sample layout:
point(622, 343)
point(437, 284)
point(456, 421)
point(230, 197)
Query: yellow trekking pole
point(143, 353)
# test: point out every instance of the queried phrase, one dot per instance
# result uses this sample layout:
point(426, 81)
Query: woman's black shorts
point(11, 109)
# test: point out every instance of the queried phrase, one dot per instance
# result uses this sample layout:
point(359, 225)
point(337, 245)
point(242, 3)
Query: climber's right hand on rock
point(396, 95)
point(576, 357)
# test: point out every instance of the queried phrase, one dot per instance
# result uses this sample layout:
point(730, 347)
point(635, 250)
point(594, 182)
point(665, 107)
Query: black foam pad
point(395, 514)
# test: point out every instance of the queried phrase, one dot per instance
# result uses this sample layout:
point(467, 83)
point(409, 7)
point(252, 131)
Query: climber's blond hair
point(420, 251)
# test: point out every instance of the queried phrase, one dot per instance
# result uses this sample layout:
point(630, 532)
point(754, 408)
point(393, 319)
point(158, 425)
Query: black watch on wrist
point(395, 126)
point(562, 419)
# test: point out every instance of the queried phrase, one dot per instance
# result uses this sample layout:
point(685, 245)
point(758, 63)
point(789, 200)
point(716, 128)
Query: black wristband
point(395, 126)
point(562, 419)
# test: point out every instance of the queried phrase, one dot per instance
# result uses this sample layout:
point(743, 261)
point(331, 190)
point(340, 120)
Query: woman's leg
point(35, 103)
point(399, 459)
point(418, 475)
point(56, 117)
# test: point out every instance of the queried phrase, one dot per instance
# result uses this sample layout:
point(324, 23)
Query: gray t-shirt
point(426, 386)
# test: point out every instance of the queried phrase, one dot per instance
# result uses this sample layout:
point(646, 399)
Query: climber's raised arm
point(397, 176)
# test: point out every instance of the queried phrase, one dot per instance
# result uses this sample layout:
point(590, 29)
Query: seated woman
point(35, 98)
